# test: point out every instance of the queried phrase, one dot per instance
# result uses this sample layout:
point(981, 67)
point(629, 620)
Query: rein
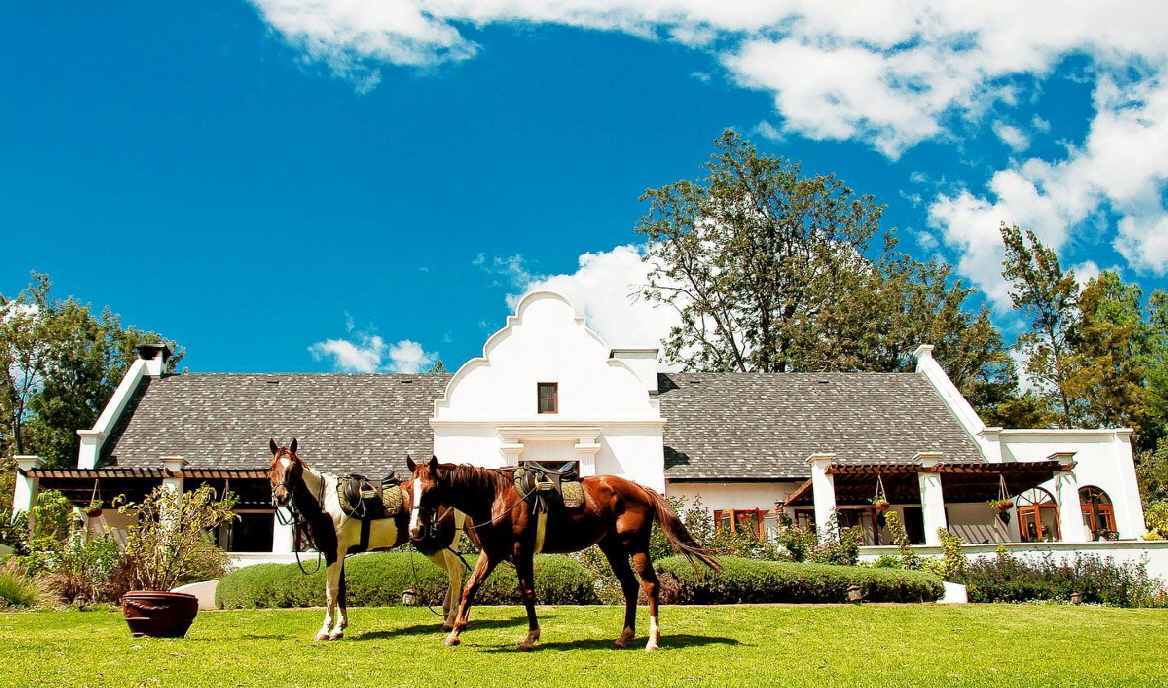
point(298, 520)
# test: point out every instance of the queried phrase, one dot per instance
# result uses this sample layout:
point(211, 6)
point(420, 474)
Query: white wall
point(605, 419)
point(1103, 459)
point(1155, 552)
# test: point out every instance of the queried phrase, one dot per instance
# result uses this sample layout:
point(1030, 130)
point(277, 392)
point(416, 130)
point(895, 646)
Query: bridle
point(296, 520)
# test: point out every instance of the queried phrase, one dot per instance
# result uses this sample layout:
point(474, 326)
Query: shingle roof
point(764, 425)
point(343, 422)
point(719, 425)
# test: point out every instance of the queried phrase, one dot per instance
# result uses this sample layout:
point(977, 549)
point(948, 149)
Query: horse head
point(284, 472)
point(428, 486)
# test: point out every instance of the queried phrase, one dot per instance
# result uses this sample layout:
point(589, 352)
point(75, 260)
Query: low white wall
point(1153, 552)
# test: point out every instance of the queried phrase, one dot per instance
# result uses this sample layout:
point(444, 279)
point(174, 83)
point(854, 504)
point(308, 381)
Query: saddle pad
point(391, 499)
point(572, 492)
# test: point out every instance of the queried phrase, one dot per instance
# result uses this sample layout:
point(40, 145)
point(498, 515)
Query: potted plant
point(880, 503)
point(170, 542)
point(93, 510)
point(1001, 505)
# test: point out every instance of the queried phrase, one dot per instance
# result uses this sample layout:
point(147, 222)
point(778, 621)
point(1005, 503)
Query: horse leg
point(482, 569)
point(649, 581)
point(618, 559)
point(331, 592)
point(525, 572)
point(453, 567)
point(342, 619)
point(454, 584)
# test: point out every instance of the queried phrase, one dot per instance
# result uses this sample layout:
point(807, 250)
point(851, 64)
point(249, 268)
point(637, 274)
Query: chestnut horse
point(313, 498)
point(617, 515)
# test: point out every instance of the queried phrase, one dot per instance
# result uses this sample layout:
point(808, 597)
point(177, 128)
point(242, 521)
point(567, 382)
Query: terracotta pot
point(881, 506)
point(159, 614)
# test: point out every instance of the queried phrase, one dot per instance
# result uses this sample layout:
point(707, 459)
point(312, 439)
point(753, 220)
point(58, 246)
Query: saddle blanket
point(571, 491)
point(391, 501)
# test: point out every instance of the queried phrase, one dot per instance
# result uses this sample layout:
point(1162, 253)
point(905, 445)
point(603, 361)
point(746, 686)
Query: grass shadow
point(667, 643)
point(436, 628)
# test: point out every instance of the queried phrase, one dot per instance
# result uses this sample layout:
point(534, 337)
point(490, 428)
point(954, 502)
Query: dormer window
point(548, 393)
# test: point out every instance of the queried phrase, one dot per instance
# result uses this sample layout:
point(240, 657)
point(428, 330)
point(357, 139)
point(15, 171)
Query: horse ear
point(433, 463)
point(293, 445)
point(410, 463)
point(273, 446)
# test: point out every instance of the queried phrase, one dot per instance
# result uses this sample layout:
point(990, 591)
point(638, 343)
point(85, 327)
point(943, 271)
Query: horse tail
point(677, 534)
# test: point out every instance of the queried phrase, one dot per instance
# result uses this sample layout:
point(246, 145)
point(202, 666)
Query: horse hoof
point(451, 642)
point(446, 628)
point(620, 645)
point(651, 647)
point(337, 635)
point(526, 647)
point(322, 636)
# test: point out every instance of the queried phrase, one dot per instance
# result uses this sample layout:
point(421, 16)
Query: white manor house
point(548, 389)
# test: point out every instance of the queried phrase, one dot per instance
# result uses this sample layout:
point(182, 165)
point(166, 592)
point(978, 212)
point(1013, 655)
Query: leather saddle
point(536, 483)
point(366, 499)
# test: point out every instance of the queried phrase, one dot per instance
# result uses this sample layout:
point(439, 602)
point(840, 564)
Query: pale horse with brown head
point(312, 497)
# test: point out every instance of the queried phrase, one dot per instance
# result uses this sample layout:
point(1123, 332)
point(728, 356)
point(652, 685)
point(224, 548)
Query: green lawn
point(884, 646)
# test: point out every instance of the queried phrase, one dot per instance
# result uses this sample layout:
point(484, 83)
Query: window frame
point(555, 397)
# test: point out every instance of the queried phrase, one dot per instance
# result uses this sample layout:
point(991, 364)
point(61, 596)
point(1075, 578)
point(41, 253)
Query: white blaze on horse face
point(417, 508)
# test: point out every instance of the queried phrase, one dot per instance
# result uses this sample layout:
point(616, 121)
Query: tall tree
point(1096, 353)
point(1046, 297)
point(59, 365)
point(769, 270)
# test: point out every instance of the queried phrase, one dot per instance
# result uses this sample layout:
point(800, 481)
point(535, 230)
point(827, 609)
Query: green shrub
point(752, 581)
point(378, 579)
point(17, 588)
point(1006, 578)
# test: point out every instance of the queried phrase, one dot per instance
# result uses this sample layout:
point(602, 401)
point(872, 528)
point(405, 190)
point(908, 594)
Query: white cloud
point(1012, 136)
point(605, 290)
point(369, 353)
point(768, 131)
point(513, 269)
point(361, 356)
point(1121, 168)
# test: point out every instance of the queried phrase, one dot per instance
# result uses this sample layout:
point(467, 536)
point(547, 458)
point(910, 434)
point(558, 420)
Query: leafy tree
point(769, 271)
point(1096, 353)
point(59, 364)
point(1046, 297)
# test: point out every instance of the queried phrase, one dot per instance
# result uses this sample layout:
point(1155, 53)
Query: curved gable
point(545, 341)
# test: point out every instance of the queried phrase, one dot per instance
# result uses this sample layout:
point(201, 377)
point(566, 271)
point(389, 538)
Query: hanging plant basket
point(93, 512)
point(880, 500)
point(1001, 505)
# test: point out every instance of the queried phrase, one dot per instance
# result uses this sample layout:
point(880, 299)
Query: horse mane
point(465, 477)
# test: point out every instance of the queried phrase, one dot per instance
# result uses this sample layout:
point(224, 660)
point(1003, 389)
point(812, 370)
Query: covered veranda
point(256, 528)
point(930, 494)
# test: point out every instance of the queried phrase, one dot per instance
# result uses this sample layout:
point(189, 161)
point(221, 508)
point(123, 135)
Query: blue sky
point(313, 186)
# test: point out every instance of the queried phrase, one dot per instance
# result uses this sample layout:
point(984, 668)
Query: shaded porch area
point(255, 529)
point(929, 494)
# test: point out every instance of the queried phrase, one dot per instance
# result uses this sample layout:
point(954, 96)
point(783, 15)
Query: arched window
point(1038, 516)
point(1098, 515)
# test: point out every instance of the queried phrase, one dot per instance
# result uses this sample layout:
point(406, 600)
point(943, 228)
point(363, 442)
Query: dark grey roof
point(343, 423)
point(764, 425)
point(719, 425)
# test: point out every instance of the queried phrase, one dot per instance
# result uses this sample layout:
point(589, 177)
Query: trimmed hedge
point(753, 581)
point(378, 579)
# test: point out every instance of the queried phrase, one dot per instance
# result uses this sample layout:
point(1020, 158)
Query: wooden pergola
point(251, 486)
point(855, 483)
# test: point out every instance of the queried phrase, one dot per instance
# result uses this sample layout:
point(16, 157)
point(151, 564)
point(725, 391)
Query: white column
point(932, 496)
point(1066, 485)
point(27, 485)
point(586, 450)
point(283, 538)
point(822, 491)
point(174, 466)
